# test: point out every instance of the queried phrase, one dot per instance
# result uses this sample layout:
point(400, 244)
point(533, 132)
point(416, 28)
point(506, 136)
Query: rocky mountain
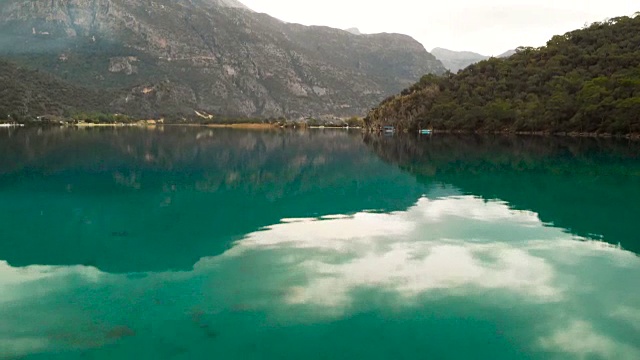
point(165, 57)
point(455, 61)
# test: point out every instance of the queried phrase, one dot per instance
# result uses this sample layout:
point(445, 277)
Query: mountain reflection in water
point(105, 198)
point(345, 257)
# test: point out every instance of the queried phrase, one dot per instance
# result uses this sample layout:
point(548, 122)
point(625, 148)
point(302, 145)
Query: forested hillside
point(585, 81)
point(25, 94)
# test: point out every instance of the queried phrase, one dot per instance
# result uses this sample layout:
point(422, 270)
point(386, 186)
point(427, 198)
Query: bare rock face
point(211, 55)
point(123, 64)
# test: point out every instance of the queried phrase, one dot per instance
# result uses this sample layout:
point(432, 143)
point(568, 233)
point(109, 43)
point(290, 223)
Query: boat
point(388, 129)
point(424, 131)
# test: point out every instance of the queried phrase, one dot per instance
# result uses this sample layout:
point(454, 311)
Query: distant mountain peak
point(460, 54)
point(354, 31)
point(457, 60)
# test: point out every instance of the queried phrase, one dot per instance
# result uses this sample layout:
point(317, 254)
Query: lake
point(194, 243)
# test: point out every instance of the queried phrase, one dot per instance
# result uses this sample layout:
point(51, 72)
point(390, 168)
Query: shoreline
point(249, 126)
point(268, 126)
point(238, 126)
point(86, 125)
point(152, 125)
point(631, 136)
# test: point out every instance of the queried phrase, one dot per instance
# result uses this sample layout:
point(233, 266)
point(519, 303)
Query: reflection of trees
point(215, 158)
point(589, 186)
point(180, 193)
point(478, 152)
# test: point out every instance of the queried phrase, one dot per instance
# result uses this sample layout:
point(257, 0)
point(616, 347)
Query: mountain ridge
point(455, 61)
point(174, 57)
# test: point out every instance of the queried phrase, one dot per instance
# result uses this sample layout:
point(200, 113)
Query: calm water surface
point(187, 243)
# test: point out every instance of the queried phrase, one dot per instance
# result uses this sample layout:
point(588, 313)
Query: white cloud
point(334, 232)
point(458, 268)
point(580, 339)
point(474, 208)
point(387, 251)
point(21, 346)
point(12, 280)
point(628, 314)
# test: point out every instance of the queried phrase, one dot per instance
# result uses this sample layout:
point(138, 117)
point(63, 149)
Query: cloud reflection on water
point(581, 340)
point(309, 270)
point(410, 253)
point(461, 247)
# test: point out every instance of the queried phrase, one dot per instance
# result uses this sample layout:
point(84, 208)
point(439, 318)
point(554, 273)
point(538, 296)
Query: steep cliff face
point(212, 55)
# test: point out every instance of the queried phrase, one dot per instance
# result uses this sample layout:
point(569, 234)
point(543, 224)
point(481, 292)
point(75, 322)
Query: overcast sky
point(489, 27)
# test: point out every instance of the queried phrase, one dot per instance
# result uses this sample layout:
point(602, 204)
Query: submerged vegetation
point(586, 81)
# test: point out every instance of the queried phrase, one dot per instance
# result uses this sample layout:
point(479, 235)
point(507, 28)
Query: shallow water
point(186, 243)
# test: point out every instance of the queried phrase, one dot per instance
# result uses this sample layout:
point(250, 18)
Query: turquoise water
point(188, 243)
